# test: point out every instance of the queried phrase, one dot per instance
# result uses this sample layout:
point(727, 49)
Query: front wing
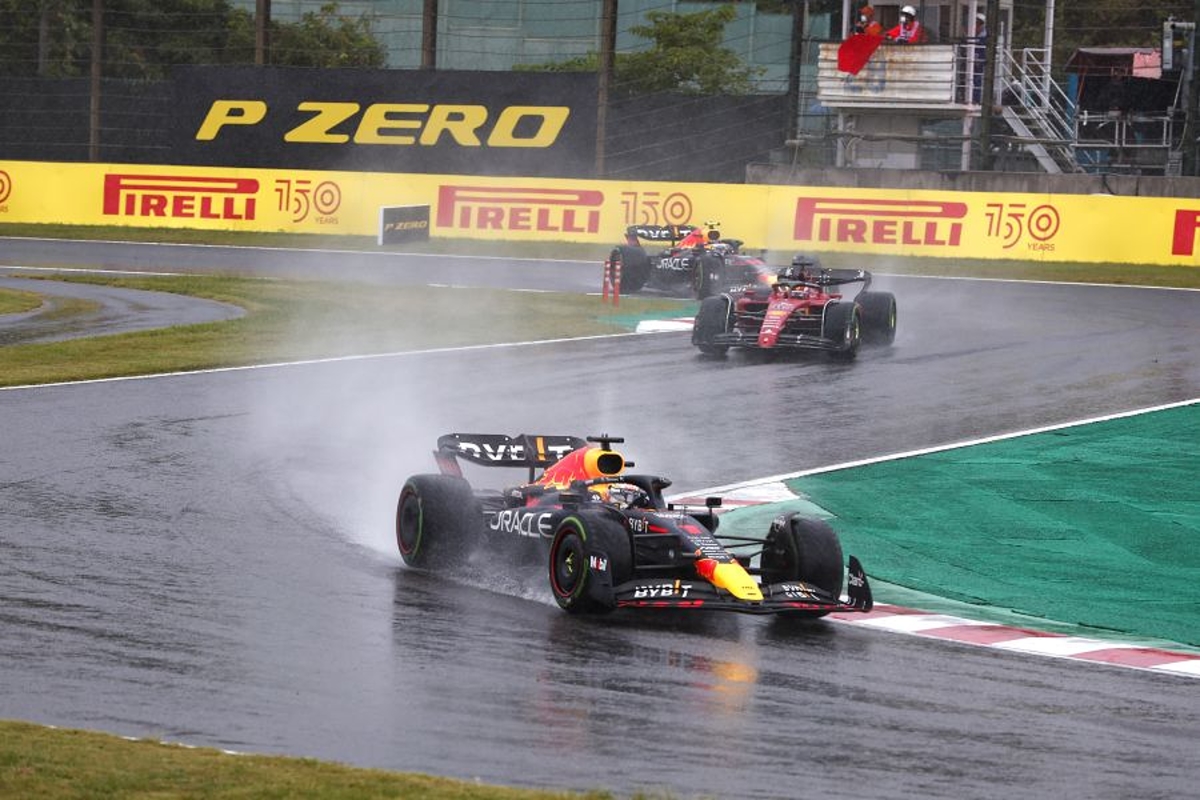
point(789, 597)
point(785, 341)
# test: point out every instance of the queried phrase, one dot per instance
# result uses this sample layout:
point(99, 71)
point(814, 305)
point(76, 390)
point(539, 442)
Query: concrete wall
point(1019, 182)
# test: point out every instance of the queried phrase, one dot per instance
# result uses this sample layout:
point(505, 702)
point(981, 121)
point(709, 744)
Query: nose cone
point(733, 578)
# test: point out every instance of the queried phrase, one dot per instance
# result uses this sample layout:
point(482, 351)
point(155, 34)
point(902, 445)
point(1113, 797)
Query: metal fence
point(55, 106)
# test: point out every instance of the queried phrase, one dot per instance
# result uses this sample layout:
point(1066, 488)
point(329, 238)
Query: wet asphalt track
point(110, 310)
point(209, 559)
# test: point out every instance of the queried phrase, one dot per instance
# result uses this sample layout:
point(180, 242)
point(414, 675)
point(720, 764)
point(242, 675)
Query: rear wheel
point(588, 556)
point(842, 325)
point(804, 550)
point(708, 275)
point(634, 264)
point(878, 316)
point(711, 320)
point(438, 519)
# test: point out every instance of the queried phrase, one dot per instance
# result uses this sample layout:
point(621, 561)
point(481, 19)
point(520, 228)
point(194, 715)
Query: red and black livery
point(692, 257)
point(805, 309)
point(607, 539)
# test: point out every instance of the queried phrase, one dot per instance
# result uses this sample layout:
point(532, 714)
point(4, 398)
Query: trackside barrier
point(779, 218)
point(612, 282)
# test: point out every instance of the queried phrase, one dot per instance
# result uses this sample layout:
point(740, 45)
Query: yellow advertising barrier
point(968, 225)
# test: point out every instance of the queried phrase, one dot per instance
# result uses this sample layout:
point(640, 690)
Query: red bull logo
point(582, 464)
point(926, 223)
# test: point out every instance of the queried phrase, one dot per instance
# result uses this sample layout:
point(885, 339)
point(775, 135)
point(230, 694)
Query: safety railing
point(1037, 108)
point(1119, 142)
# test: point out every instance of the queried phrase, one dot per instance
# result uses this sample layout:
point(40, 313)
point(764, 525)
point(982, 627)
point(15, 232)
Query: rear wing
point(635, 234)
point(824, 277)
point(533, 451)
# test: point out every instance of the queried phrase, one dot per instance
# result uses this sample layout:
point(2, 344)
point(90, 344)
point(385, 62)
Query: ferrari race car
point(803, 310)
point(695, 257)
point(607, 539)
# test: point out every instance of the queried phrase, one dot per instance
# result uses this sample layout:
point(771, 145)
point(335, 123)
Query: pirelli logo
point(927, 223)
point(179, 196)
point(517, 209)
point(1187, 225)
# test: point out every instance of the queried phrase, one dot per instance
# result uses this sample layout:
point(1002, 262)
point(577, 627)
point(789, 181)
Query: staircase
point(1038, 111)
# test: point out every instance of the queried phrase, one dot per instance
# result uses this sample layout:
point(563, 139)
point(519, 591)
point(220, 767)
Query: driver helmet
point(599, 492)
point(908, 11)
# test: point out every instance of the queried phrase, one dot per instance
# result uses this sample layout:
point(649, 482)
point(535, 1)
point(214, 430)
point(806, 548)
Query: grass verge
point(294, 320)
point(62, 764)
point(16, 302)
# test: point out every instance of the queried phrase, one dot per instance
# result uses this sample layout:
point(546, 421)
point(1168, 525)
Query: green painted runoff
point(1097, 524)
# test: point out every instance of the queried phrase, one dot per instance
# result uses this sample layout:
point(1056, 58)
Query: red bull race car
point(695, 258)
point(804, 309)
point(606, 539)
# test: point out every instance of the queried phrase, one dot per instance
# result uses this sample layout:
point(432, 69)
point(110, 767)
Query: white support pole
point(1048, 43)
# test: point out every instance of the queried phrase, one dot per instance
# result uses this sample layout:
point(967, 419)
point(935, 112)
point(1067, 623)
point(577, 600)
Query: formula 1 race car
point(696, 258)
point(802, 311)
point(607, 539)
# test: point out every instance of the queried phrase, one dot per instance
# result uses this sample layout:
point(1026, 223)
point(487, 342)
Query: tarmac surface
point(109, 310)
point(209, 559)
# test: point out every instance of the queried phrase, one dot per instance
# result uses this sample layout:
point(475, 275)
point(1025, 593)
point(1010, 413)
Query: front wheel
point(842, 326)
point(711, 320)
point(438, 518)
point(588, 557)
point(804, 550)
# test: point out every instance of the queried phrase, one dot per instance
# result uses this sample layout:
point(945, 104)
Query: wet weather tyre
point(842, 326)
point(635, 267)
point(708, 276)
point(805, 550)
point(588, 557)
point(711, 321)
point(878, 317)
point(438, 519)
